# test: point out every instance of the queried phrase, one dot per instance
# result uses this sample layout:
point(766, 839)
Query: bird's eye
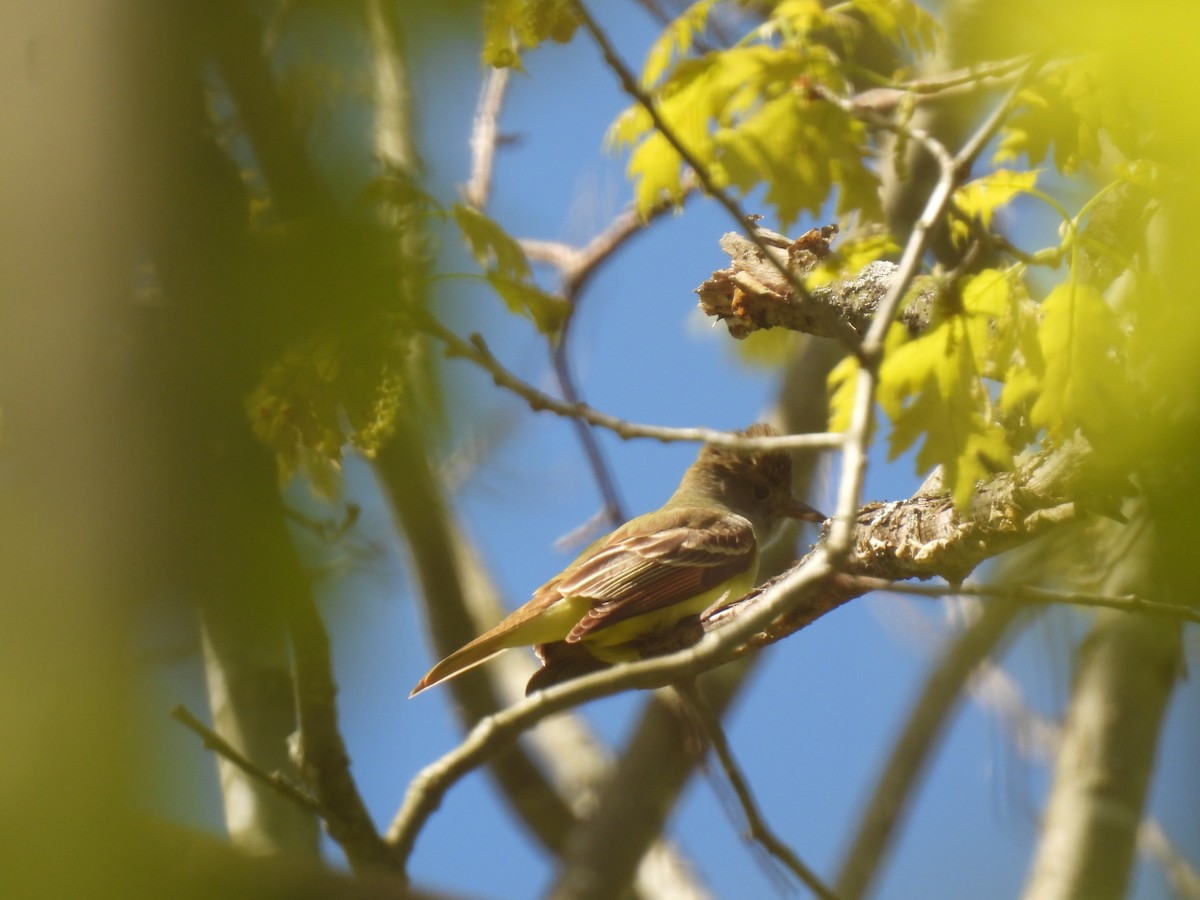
point(761, 492)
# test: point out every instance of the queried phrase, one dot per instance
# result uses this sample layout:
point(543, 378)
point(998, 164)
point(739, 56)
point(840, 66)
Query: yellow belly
point(611, 644)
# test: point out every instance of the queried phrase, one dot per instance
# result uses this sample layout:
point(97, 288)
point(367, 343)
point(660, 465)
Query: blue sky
point(825, 705)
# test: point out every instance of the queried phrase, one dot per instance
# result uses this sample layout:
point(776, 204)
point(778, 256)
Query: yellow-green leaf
point(545, 310)
point(1068, 109)
point(902, 22)
point(802, 150)
point(509, 26)
point(841, 393)
point(490, 244)
point(931, 388)
point(1082, 346)
point(676, 40)
point(981, 198)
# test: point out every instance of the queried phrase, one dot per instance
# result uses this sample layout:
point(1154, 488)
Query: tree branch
point(927, 537)
point(748, 297)
point(477, 352)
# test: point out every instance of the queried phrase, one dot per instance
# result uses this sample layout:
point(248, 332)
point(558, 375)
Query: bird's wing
point(633, 573)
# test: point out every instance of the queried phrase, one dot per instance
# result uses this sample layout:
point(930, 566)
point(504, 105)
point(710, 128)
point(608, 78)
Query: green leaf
point(902, 22)
point(1082, 345)
point(1068, 109)
point(803, 150)
point(545, 310)
point(841, 393)
point(676, 40)
point(490, 244)
point(509, 26)
point(993, 310)
point(931, 387)
point(321, 394)
point(981, 198)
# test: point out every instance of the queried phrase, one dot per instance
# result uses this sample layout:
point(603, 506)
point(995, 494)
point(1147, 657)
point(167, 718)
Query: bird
point(645, 578)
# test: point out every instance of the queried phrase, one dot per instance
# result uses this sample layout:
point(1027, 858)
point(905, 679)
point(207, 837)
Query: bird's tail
point(466, 657)
point(543, 619)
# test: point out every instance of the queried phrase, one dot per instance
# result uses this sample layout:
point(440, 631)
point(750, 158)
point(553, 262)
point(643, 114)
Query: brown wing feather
point(642, 573)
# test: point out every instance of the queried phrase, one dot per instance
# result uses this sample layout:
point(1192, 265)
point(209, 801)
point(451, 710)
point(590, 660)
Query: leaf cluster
point(756, 114)
point(997, 368)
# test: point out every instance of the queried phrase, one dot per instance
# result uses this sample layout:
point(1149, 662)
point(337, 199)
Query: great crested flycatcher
point(699, 548)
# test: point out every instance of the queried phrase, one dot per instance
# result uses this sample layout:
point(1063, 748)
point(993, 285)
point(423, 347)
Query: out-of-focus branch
point(1037, 737)
point(320, 752)
point(1127, 668)
point(395, 145)
point(275, 780)
point(485, 135)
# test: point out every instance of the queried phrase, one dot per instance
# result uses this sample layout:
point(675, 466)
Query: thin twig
point(757, 825)
point(276, 780)
point(1130, 603)
point(477, 351)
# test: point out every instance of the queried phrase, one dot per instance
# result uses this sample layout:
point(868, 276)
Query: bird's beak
point(798, 509)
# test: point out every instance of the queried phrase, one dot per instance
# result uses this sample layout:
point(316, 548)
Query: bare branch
point(940, 87)
point(477, 351)
point(747, 298)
